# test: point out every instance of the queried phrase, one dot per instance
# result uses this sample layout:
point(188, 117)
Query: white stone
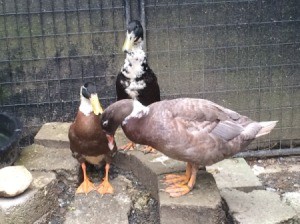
point(257, 170)
point(14, 180)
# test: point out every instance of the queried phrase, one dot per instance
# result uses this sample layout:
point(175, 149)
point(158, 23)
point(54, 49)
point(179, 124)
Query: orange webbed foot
point(105, 188)
point(181, 184)
point(173, 179)
point(85, 187)
point(148, 149)
point(129, 146)
point(178, 190)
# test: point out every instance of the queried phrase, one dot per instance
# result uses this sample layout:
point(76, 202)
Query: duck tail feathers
point(267, 127)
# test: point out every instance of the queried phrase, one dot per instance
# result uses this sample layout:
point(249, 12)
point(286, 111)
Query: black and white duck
point(136, 80)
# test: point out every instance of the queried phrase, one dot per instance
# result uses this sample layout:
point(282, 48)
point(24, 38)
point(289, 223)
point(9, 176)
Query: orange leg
point(178, 190)
point(173, 179)
point(149, 149)
point(86, 186)
point(105, 187)
point(128, 146)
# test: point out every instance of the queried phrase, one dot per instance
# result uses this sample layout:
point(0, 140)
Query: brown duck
point(88, 142)
point(196, 131)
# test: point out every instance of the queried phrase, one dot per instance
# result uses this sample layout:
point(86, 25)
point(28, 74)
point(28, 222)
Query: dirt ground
point(281, 174)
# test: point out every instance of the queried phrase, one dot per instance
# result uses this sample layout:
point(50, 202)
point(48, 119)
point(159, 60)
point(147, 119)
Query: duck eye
point(105, 123)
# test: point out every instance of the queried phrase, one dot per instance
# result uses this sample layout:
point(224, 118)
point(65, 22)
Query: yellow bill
point(128, 44)
point(96, 104)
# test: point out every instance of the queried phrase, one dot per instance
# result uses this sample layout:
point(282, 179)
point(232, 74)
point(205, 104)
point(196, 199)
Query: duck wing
point(203, 116)
point(151, 92)
point(121, 86)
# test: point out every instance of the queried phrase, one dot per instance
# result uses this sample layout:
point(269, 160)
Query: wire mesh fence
point(241, 54)
point(49, 48)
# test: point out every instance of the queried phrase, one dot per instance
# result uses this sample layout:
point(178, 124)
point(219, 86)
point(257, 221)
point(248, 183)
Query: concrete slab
point(234, 174)
point(292, 199)
point(146, 167)
point(39, 158)
point(202, 205)
point(94, 208)
point(53, 135)
point(258, 206)
point(35, 203)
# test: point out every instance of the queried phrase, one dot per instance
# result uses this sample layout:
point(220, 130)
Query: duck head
point(89, 101)
point(115, 114)
point(134, 36)
point(119, 113)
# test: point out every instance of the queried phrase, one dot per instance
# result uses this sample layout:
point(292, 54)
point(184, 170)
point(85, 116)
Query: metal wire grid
point(240, 54)
point(49, 48)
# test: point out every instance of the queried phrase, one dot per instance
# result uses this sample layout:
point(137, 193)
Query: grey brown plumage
point(196, 131)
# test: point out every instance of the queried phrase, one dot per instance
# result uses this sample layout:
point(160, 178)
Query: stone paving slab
point(59, 160)
point(146, 167)
point(94, 208)
point(292, 199)
point(53, 135)
point(258, 206)
point(234, 174)
point(34, 204)
point(202, 205)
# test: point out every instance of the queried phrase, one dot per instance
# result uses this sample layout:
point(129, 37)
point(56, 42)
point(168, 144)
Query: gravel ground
point(280, 174)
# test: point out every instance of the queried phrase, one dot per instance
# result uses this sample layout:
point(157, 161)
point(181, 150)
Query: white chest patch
point(139, 110)
point(85, 106)
point(133, 88)
point(133, 63)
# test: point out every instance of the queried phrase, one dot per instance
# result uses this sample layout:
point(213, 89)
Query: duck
point(88, 143)
point(196, 131)
point(136, 80)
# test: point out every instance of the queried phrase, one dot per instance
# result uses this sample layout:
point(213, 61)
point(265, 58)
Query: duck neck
point(85, 106)
point(138, 112)
point(133, 64)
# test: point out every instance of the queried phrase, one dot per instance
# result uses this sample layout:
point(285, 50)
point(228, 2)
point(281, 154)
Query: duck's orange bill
point(96, 104)
point(111, 141)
